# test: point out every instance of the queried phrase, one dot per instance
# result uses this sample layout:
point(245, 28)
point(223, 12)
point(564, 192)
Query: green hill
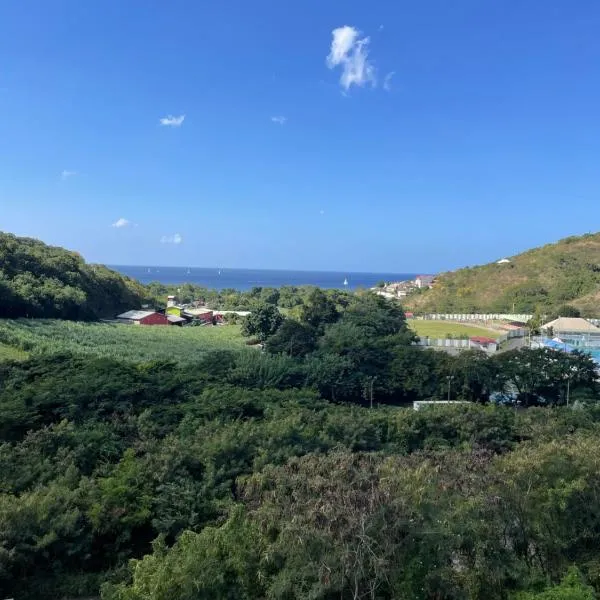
point(545, 279)
point(37, 280)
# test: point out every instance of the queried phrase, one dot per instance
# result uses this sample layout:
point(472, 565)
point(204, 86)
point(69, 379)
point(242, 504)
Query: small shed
point(175, 320)
point(142, 317)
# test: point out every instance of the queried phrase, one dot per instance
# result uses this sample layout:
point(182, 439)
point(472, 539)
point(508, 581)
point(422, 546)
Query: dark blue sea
point(244, 279)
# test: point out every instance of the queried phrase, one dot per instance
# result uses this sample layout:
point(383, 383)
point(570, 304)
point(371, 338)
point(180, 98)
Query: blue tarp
point(548, 343)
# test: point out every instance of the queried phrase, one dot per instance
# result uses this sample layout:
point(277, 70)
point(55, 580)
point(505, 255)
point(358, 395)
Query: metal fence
point(463, 344)
point(518, 317)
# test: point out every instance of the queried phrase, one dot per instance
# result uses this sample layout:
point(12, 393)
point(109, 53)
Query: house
point(142, 317)
point(200, 314)
point(575, 331)
point(424, 281)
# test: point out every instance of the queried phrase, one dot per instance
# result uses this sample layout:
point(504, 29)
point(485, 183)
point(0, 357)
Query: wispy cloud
point(171, 121)
point(171, 239)
point(351, 54)
point(66, 174)
point(387, 86)
point(279, 120)
point(121, 223)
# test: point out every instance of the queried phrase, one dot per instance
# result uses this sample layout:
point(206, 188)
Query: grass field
point(11, 353)
point(124, 342)
point(440, 329)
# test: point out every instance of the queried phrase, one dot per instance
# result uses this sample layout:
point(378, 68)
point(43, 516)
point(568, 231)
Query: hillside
point(545, 278)
point(37, 280)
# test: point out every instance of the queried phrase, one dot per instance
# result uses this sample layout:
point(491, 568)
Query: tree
point(572, 587)
point(544, 376)
point(223, 563)
point(292, 338)
point(262, 322)
point(566, 310)
point(319, 310)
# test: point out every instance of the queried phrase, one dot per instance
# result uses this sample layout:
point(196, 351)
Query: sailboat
point(345, 282)
point(188, 271)
point(148, 270)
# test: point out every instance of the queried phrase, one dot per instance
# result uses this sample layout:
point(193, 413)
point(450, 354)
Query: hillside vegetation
point(37, 280)
point(543, 279)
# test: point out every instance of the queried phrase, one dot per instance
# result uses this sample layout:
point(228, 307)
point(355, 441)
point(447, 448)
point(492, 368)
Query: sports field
point(125, 342)
point(441, 329)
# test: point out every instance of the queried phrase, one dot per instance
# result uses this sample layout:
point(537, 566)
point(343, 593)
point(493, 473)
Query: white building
point(424, 281)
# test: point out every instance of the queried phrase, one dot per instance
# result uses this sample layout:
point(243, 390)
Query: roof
point(198, 311)
point(176, 319)
point(572, 324)
point(425, 276)
point(478, 339)
point(136, 315)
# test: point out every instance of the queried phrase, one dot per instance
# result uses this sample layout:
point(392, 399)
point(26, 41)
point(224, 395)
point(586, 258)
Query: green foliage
point(262, 322)
point(223, 563)
point(37, 280)
point(572, 587)
point(292, 338)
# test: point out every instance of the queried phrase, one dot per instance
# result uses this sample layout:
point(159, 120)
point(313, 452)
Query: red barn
point(143, 317)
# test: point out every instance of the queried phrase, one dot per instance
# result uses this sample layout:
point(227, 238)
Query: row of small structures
point(177, 314)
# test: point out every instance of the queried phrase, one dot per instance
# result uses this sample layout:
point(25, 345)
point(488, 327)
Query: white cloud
point(66, 174)
point(171, 239)
point(387, 81)
point(120, 223)
point(351, 54)
point(279, 120)
point(321, 212)
point(171, 121)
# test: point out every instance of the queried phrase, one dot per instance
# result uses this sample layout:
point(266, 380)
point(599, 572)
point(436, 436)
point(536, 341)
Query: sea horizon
point(245, 279)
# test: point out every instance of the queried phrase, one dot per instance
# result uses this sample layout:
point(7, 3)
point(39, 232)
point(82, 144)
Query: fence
point(520, 318)
point(463, 344)
point(513, 333)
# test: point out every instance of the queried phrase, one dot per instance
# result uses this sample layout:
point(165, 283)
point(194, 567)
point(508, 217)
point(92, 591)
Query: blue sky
point(374, 136)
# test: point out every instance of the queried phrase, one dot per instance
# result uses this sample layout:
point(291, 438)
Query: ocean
point(245, 279)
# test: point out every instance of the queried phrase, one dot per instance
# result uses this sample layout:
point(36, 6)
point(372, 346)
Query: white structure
point(171, 301)
point(563, 326)
point(503, 261)
point(424, 281)
point(419, 404)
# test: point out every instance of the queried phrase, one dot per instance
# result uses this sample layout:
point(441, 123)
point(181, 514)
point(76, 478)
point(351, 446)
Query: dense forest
point(541, 280)
point(301, 472)
point(37, 280)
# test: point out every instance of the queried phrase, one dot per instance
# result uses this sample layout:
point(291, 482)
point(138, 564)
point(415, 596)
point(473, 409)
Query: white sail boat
point(345, 282)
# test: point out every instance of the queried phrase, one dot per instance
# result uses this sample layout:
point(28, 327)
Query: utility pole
point(449, 378)
point(568, 388)
point(371, 391)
